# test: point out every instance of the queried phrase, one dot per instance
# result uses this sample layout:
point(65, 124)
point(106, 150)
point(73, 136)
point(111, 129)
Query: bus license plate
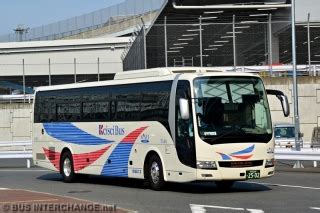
point(253, 174)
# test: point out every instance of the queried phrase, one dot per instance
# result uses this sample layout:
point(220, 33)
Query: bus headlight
point(210, 165)
point(270, 163)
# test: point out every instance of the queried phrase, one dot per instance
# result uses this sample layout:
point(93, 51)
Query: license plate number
point(253, 174)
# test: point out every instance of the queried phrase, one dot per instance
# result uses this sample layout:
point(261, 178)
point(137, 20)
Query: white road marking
point(29, 201)
point(195, 208)
point(283, 185)
point(201, 208)
point(255, 210)
point(3, 189)
point(315, 208)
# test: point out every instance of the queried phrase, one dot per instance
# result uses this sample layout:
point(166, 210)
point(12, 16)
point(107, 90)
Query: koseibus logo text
point(114, 130)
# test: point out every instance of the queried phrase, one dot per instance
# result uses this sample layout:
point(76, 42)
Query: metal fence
point(16, 98)
point(134, 56)
point(306, 154)
point(87, 22)
point(73, 73)
point(210, 43)
point(57, 73)
point(25, 153)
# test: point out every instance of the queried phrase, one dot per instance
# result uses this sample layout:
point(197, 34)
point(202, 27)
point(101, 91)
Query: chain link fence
point(238, 45)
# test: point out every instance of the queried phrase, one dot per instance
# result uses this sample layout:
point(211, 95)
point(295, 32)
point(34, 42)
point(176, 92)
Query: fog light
point(270, 163)
point(207, 165)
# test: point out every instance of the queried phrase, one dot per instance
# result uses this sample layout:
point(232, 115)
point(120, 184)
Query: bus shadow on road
point(210, 187)
point(195, 188)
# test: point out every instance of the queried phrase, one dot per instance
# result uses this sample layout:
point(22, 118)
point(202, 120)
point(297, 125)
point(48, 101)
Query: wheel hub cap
point(67, 167)
point(155, 174)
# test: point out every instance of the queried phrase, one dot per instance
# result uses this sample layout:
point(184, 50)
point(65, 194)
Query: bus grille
point(240, 164)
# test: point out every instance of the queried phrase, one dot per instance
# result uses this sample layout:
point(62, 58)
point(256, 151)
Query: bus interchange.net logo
point(56, 207)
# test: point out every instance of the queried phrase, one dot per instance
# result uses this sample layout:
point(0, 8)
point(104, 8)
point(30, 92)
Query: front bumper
point(232, 173)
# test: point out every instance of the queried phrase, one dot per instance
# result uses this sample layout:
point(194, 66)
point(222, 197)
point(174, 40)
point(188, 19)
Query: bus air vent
point(240, 164)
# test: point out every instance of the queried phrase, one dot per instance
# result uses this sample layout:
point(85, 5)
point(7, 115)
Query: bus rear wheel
point(67, 169)
point(156, 179)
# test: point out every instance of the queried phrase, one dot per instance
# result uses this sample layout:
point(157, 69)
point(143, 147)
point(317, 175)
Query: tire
point(155, 173)
point(224, 185)
point(66, 167)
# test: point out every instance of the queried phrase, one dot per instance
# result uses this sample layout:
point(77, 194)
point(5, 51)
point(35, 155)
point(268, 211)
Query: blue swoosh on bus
point(243, 154)
point(69, 133)
point(117, 163)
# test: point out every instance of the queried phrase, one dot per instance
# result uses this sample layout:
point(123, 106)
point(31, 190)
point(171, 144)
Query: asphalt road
point(285, 192)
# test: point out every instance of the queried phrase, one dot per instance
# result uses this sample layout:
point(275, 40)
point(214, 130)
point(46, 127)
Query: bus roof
point(158, 72)
point(140, 76)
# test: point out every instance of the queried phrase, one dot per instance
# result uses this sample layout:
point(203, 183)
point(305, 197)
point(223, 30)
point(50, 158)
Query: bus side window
point(113, 110)
point(68, 112)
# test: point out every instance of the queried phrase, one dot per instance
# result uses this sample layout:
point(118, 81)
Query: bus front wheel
point(156, 179)
point(67, 169)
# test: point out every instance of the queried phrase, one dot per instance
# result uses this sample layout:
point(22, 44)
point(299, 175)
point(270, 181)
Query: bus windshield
point(232, 109)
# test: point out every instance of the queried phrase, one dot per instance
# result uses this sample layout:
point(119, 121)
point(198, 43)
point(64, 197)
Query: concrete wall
point(309, 102)
point(118, 28)
point(15, 119)
point(15, 122)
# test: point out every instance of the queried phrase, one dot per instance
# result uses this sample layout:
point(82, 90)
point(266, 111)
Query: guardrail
point(306, 154)
point(17, 98)
point(277, 70)
point(24, 154)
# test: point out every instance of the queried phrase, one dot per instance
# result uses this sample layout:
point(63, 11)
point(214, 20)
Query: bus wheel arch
point(153, 162)
point(67, 166)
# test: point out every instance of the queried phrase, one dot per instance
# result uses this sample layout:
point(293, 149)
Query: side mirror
point(283, 99)
point(184, 108)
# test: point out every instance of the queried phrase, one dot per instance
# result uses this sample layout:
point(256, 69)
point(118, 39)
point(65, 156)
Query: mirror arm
point(283, 99)
point(274, 92)
point(279, 97)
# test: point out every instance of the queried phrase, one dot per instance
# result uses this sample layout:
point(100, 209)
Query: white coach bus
point(161, 125)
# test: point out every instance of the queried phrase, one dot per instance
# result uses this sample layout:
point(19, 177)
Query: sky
point(34, 13)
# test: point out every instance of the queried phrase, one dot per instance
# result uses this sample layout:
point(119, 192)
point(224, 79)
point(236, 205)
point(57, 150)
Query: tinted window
point(126, 102)
point(68, 112)
point(98, 111)
point(155, 103)
point(45, 108)
point(135, 102)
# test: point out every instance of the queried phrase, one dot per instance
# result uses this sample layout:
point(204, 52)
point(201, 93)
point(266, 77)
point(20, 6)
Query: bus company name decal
point(114, 130)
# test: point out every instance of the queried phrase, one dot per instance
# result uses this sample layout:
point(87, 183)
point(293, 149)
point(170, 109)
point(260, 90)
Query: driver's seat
point(213, 111)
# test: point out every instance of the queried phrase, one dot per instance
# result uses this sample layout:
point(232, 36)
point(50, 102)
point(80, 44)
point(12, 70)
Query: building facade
point(43, 63)
point(230, 33)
